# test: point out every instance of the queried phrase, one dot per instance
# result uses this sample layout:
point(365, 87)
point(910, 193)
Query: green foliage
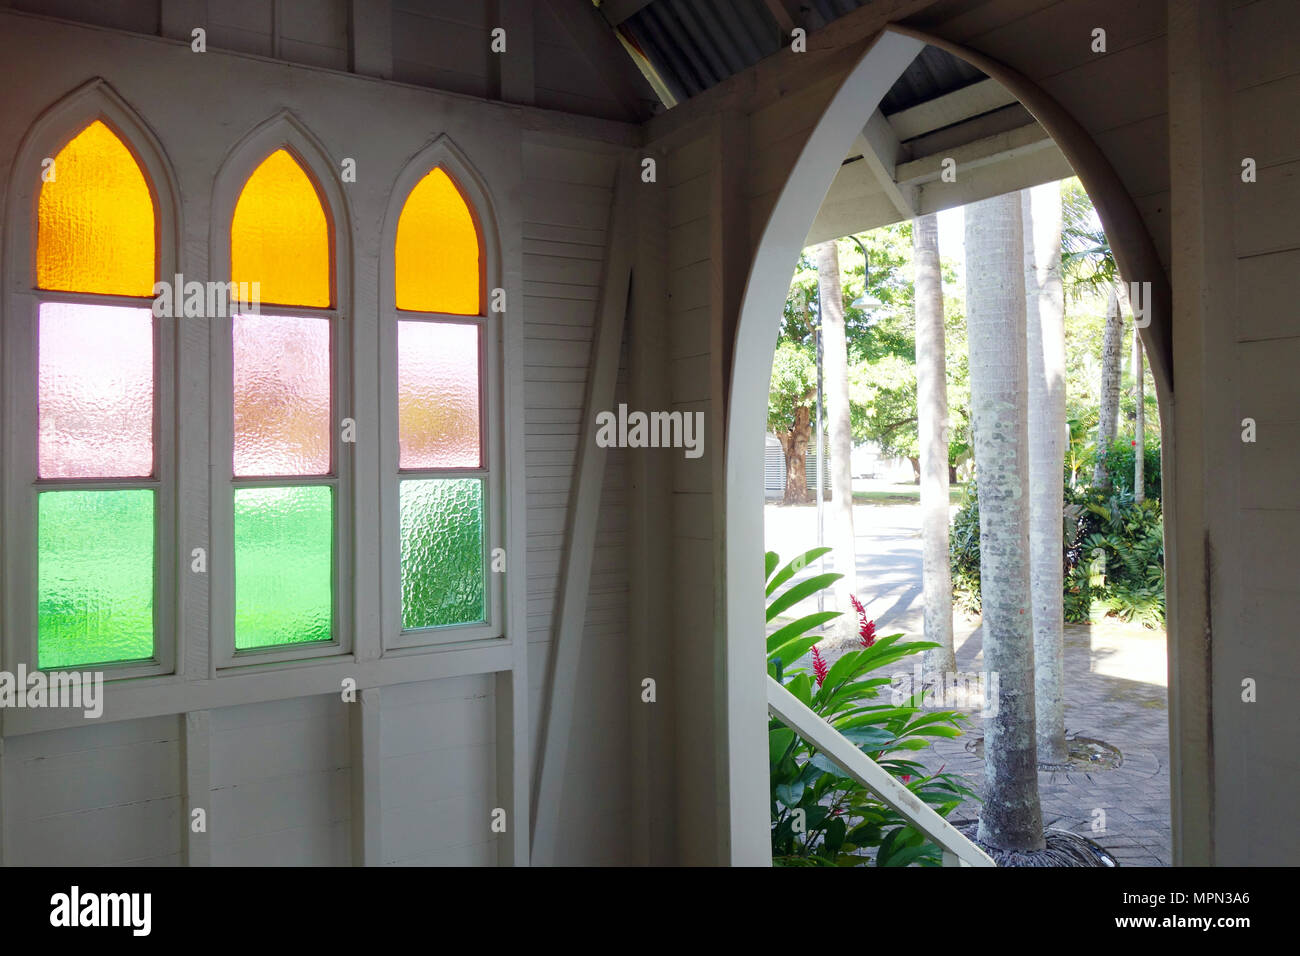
point(1121, 544)
point(840, 818)
point(881, 345)
point(1119, 466)
point(964, 552)
point(1112, 556)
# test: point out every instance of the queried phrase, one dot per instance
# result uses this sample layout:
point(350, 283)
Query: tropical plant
point(820, 815)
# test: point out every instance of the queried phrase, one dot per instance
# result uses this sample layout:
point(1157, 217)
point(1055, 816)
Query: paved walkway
point(1116, 676)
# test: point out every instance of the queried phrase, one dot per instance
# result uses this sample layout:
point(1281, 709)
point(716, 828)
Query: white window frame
point(282, 131)
point(442, 153)
point(19, 343)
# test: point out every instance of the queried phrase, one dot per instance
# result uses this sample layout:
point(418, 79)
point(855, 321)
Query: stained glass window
point(282, 395)
point(96, 407)
point(283, 565)
point(280, 236)
point(282, 413)
point(95, 220)
point(95, 587)
point(95, 391)
point(438, 395)
point(442, 478)
point(437, 258)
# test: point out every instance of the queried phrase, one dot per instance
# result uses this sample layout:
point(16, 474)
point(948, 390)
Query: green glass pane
point(442, 552)
point(95, 577)
point(284, 581)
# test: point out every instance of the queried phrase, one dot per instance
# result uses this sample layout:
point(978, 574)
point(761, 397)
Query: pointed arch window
point(98, 477)
point(442, 467)
point(284, 478)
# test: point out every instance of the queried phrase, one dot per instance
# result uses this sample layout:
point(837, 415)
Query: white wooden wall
point(287, 772)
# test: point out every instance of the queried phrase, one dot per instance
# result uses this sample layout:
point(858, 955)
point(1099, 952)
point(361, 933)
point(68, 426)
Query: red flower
point(866, 629)
point(907, 778)
point(820, 667)
point(1134, 443)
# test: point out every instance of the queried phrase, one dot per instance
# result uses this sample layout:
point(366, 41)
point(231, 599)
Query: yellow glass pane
point(437, 254)
point(280, 237)
point(95, 219)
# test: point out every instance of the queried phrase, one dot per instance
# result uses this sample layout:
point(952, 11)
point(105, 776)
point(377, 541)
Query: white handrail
point(804, 721)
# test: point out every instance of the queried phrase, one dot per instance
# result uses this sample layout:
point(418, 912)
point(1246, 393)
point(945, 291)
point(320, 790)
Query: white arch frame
point(778, 249)
point(284, 131)
point(51, 131)
point(442, 153)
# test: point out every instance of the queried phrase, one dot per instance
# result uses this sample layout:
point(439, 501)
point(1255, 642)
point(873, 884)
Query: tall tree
point(1045, 326)
point(1011, 816)
point(835, 359)
point(1112, 348)
point(932, 414)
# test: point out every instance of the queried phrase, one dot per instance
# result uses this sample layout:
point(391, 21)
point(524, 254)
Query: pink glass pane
point(438, 395)
point(95, 391)
point(282, 395)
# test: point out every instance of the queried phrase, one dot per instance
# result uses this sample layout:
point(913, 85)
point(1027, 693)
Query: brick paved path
point(1115, 692)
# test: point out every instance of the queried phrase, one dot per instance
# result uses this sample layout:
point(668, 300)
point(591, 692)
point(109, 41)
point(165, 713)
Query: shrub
point(840, 819)
point(1112, 553)
point(1119, 466)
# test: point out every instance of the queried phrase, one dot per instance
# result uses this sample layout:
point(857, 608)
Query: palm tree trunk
point(932, 425)
point(1139, 420)
point(836, 358)
point(1045, 325)
point(1112, 347)
point(1011, 816)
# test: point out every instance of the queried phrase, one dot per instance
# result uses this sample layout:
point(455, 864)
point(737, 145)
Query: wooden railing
point(799, 717)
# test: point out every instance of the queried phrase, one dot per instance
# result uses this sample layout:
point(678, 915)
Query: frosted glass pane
point(95, 577)
point(282, 395)
point(438, 395)
point(279, 235)
point(284, 581)
point(436, 258)
point(95, 391)
point(442, 552)
point(95, 219)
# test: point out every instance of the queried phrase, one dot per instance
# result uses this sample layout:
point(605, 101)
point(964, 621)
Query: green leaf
point(793, 595)
point(795, 629)
point(772, 559)
point(801, 687)
point(796, 565)
point(778, 742)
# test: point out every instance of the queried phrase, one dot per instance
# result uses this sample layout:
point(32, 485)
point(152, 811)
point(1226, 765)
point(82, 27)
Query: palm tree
point(932, 425)
point(1045, 325)
point(836, 358)
point(1089, 265)
point(1011, 816)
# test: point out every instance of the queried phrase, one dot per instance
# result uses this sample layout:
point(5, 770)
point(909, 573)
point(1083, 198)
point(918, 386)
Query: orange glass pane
point(95, 219)
point(437, 254)
point(279, 236)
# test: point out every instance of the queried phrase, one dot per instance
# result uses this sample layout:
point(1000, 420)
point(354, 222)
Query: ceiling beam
point(880, 151)
point(950, 108)
point(982, 152)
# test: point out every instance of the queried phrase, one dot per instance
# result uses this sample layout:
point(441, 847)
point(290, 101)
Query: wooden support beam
point(370, 38)
point(363, 729)
point(983, 152)
point(511, 697)
point(880, 151)
point(970, 101)
point(584, 511)
point(196, 755)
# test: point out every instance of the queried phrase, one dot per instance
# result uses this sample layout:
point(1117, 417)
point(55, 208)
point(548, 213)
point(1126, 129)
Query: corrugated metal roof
point(692, 45)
